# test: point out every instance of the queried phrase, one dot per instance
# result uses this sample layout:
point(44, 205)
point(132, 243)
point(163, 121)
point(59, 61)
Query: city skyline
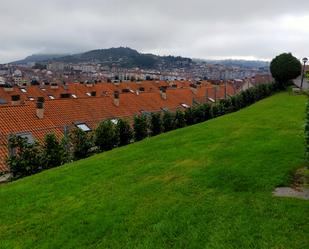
point(196, 29)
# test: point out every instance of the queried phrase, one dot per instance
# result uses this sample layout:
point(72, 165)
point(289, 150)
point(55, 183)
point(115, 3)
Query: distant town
point(124, 64)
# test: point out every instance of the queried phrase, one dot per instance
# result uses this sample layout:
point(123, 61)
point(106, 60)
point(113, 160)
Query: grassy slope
point(206, 186)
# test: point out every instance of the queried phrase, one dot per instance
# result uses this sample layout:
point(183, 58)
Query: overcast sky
point(246, 29)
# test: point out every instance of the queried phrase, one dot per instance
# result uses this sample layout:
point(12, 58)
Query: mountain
point(37, 58)
point(237, 63)
point(125, 57)
point(122, 57)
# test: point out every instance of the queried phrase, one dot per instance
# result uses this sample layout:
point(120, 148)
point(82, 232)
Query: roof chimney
point(15, 99)
point(54, 86)
point(89, 84)
point(116, 98)
point(40, 110)
point(193, 88)
point(163, 93)
point(8, 88)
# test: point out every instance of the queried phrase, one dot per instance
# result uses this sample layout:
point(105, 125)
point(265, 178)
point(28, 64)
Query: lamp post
point(305, 60)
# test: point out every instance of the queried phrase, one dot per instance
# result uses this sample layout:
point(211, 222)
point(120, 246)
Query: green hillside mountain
point(122, 57)
point(205, 186)
point(35, 58)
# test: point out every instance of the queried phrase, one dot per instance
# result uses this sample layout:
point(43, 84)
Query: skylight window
point(51, 96)
point(185, 105)
point(27, 136)
point(211, 100)
point(84, 127)
point(145, 113)
point(23, 90)
point(114, 121)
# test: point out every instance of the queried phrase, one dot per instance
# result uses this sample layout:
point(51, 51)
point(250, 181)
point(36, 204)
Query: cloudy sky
point(212, 29)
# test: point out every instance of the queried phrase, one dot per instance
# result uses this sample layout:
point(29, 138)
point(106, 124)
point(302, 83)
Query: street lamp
point(305, 60)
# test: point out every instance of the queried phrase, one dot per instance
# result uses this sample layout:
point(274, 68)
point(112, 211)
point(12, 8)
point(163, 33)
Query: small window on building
point(83, 127)
point(27, 136)
point(74, 96)
point(23, 90)
point(31, 98)
point(51, 96)
point(88, 94)
point(185, 105)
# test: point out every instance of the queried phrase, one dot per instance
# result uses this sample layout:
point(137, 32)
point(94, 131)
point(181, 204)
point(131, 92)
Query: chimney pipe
point(193, 89)
point(8, 88)
point(15, 99)
point(163, 93)
point(116, 98)
point(40, 110)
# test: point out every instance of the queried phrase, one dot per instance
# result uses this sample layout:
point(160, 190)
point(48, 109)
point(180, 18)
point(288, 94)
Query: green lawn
point(206, 186)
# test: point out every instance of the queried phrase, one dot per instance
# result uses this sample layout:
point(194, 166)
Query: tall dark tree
point(285, 67)
point(155, 124)
point(81, 143)
point(53, 153)
point(124, 131)
point(140, 127)
point(168, 121)
point(106, 136)
point(179, 121)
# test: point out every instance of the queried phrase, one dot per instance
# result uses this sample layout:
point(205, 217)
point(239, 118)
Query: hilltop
point(122, 56)
point(204, 186)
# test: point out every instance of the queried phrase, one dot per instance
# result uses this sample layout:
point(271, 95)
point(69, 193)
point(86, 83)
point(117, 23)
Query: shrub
point(25, 158)
point(53, 152)
point(168, 121)
point(179, 121)
point(307, 132)
point(140, 127)
point(106, 136)
point(124, 131)
point(189, 116)
point(285, 67)
point(155, 124)
point(81, 143)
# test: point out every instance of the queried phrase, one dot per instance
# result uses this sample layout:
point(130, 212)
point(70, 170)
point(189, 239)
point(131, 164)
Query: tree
point(81, 143)
point(179, 121)
point(168, 121)
point(285, 67)
point(25, 157)
point(106, 136)
point(53, 153)
point(155, 124)
point(124, 131)
point(140, 127)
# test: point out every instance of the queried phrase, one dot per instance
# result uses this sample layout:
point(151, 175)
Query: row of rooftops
point(43, 115)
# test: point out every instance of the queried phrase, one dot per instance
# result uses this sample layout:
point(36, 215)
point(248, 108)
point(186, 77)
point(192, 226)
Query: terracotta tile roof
point(59, 113)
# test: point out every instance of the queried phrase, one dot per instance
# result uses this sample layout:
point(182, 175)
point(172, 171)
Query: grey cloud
point(196, 28)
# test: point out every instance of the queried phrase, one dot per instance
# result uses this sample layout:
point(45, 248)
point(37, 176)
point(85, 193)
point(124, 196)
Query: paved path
point(289, 192)
point(297, 82)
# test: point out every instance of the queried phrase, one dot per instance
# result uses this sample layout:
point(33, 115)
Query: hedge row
point(29, 159)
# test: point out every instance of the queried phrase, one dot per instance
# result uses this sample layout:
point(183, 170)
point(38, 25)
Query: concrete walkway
point(289, 192)
point(297, 82)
